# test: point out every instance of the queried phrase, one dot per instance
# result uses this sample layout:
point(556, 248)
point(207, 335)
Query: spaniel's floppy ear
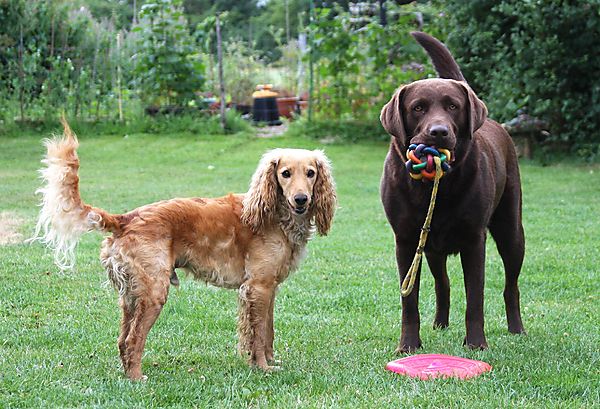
point(261, 199)
point(391, 115)
point(324, 196)
point(477, 111)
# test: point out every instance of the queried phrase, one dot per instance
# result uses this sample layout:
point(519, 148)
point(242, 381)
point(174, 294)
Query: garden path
point(271, 131)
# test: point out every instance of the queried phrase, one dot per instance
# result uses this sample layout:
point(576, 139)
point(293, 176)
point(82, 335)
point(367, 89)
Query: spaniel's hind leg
point(148, 304)
point(118, 271)
point(127, 310)
point(254, 307)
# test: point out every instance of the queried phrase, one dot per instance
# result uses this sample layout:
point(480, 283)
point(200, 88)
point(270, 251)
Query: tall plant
point(167, 68)
point(360, 62)
point(336, 47)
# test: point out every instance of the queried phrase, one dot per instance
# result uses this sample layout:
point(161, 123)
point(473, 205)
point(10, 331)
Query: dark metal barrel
point(264, 109)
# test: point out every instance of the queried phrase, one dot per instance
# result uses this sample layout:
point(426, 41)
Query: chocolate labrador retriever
point(482, 191)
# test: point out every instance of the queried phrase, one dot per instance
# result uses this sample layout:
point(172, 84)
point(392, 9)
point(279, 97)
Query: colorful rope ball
point(421, 165)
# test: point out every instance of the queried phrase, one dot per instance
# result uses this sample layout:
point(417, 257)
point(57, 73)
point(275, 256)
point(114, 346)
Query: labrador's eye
point(310, 173)
point(451, 107)
point(286, 174)
point(418, 108)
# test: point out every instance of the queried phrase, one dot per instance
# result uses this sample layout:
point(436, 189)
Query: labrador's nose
point(438, 131)
point(300, 199)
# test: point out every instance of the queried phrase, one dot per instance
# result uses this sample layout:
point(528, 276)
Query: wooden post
point(134, 19)
point(310, 61)
point(302, 46)
point(119, 89)
point(21, 74)
point(95, 72)
point(220, 61)
point(251, 35)
point(287, 22)
point(52, 36)
point(52, 22)
point(528, 149)
point(382, 13)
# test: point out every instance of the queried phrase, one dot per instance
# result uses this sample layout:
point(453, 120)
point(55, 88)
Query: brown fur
point(249, 242)
point(481, 191)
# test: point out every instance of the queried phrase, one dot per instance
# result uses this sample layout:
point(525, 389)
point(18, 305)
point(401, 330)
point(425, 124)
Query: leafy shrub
point(359, 65)
point(198, 124)
point(53, 59)
point(243, 66)
point(339, 131)
point(167, 68)
point(242, 70)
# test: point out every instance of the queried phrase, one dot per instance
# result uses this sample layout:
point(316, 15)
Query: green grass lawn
point(337, 319)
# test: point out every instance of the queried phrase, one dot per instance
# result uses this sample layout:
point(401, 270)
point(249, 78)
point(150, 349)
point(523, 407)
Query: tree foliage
point(360, 64)
point(540, 55)
point(89, 57)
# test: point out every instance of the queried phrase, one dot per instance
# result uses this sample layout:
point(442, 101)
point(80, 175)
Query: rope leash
point(418, 169)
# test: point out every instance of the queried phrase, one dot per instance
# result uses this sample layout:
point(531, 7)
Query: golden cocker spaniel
point(250, 242)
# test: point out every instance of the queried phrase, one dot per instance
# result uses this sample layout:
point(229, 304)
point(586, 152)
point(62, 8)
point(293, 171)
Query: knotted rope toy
point(421, 162)
point(429, 163)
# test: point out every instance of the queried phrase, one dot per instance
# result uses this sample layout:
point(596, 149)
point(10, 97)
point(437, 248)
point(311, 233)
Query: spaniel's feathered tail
point(64, 217)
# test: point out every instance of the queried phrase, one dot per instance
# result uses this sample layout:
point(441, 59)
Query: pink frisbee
point(430, 366)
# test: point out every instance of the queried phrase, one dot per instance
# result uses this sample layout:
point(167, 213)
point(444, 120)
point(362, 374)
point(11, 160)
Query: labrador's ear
point(391, 115)
point(476, 109)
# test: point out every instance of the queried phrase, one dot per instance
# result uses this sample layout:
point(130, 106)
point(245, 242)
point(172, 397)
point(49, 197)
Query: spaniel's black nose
point(300, 199)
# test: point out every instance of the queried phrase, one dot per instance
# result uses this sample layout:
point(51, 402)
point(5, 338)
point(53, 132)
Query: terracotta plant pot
point(287, 106)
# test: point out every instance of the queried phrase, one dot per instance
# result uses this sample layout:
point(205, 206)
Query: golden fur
point(249, 242)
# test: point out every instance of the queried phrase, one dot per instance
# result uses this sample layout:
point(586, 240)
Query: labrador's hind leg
point(507, 230)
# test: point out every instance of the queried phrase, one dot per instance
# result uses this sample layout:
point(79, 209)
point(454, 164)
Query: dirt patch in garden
point(9, 228)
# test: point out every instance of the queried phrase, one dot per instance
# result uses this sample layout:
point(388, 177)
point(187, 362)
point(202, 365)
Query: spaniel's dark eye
point(451, 107)
point(286, 174)
point(418, 108)
point(310, 173)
